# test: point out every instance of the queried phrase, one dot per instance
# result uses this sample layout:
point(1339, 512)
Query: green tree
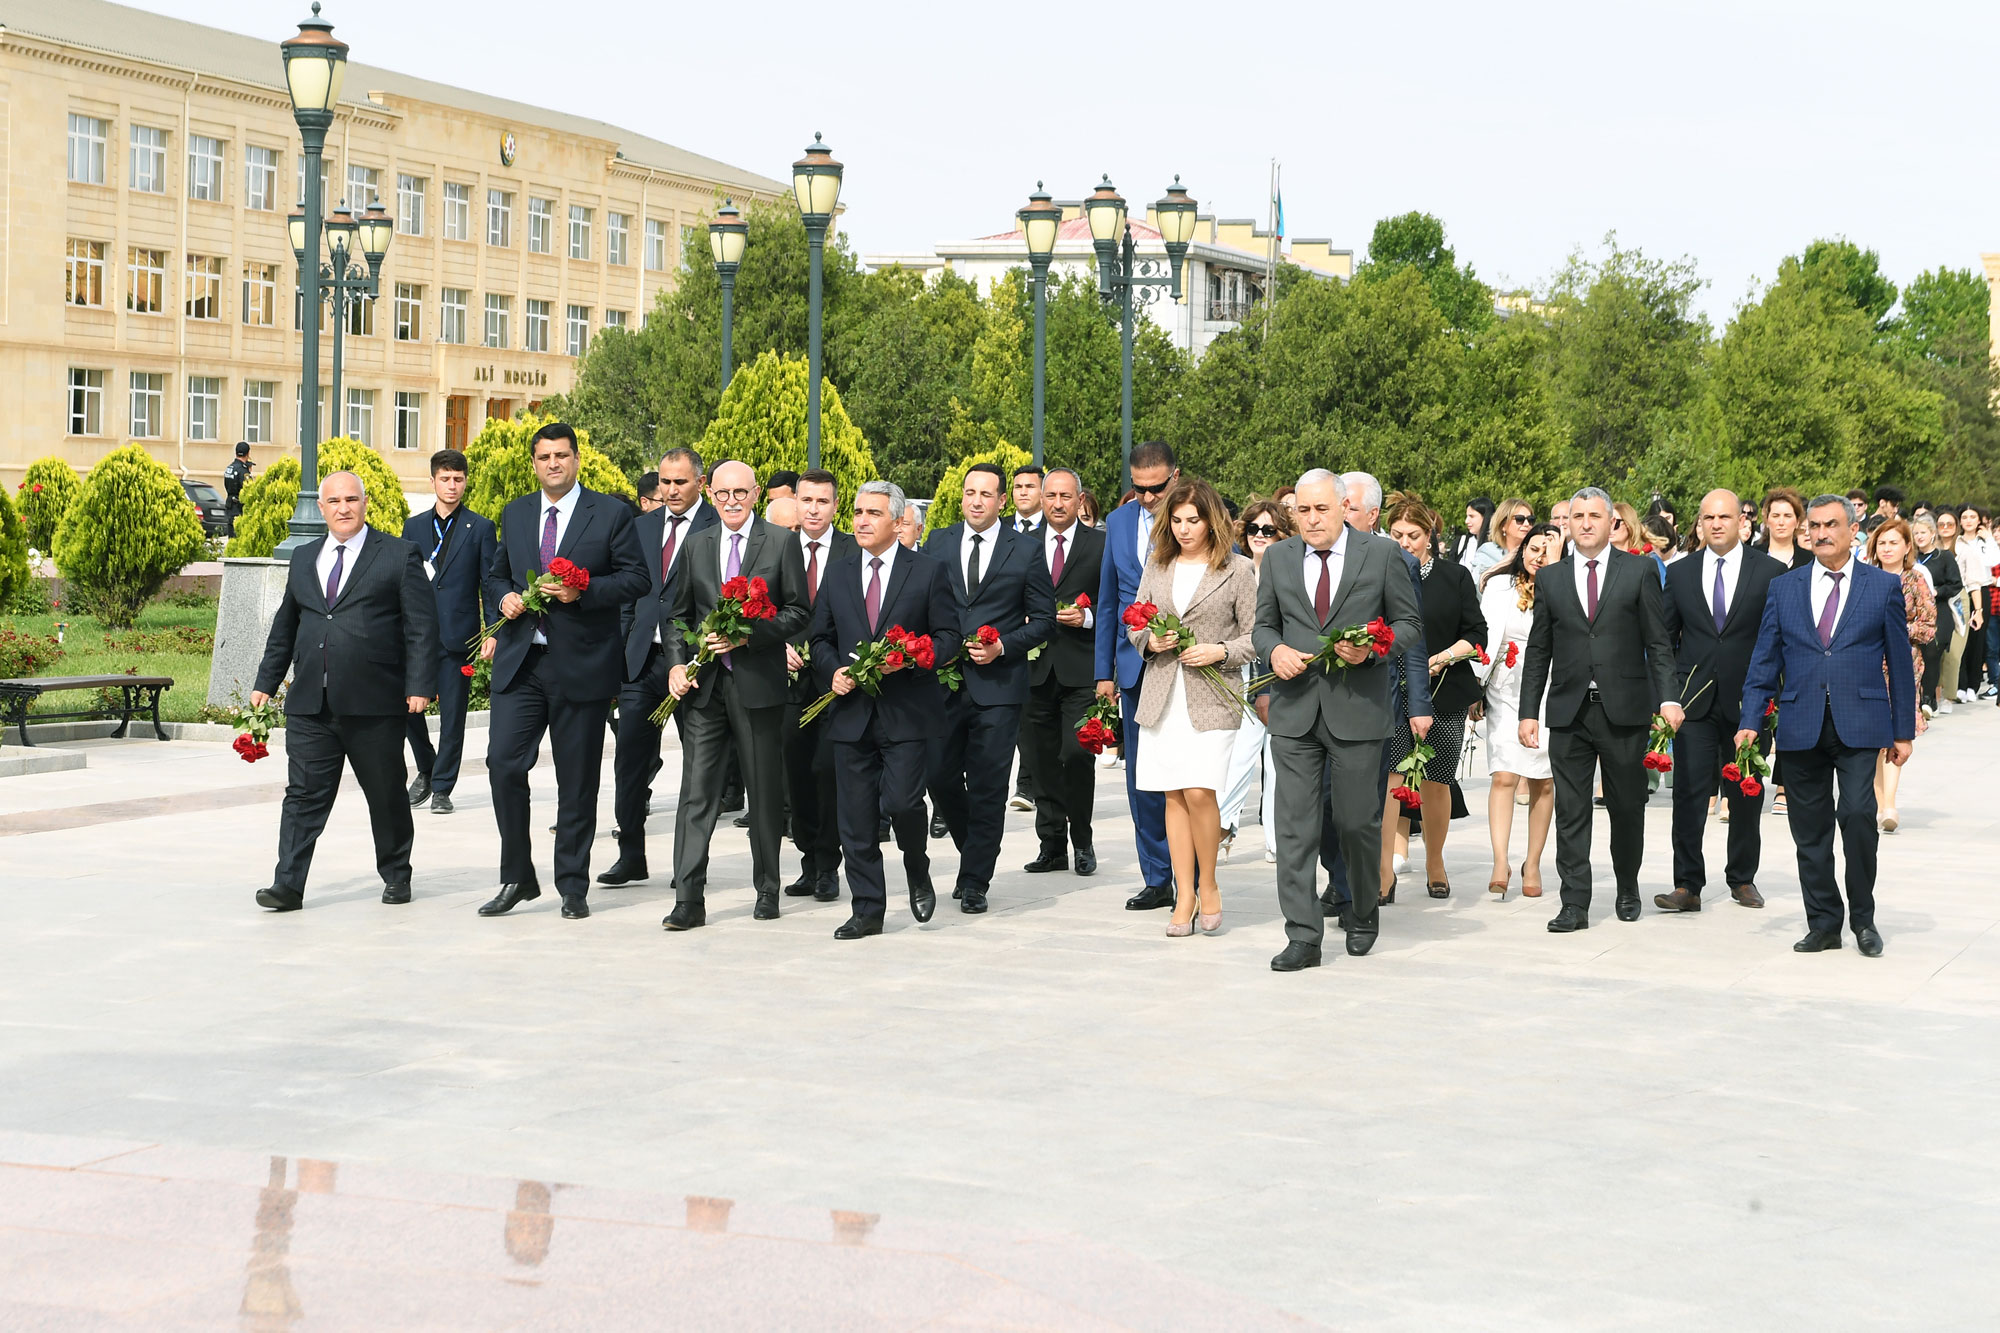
point(909, 365)
point(270, 500)
point(45, 495)
point(948, 504)
point(763, 423)
point(611, 401)
point(129, 530)
point(1855, 273)
point(502, 468)
point(1944, 334)
point(14, 544)
point(1416, 240)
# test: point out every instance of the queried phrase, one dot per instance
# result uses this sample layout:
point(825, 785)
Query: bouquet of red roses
point(1097, 729)
point(1376, 636)
point(895, 651)
point(1411, 772)
point(1476, 653)
point(257, 721)
point(738, 602)
point(1750, 765)
point(539, 593)
point(1149, 617)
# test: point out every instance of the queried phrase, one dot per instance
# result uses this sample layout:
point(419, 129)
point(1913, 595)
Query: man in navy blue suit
point(1128, 532)
point(457, 545)
point(1834, 649)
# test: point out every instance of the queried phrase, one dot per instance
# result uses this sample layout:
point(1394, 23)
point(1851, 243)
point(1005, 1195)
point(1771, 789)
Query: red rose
point(1648, 760)
point(38, 488)
point(1752, 787)
point(1407, 797)
point(561, 565)
point(1731, 773)
point(1139, 615)
point(576, 577)
point(759, 588)
point(1666, 764)
point(1083, 601)
point(988, 635)
point(1770, 708)
point(468, 670)
point(1513, 653)
point(1479, 653)
point(893, 660)
point(896, 635)
point(925, 654)
point(736, 589)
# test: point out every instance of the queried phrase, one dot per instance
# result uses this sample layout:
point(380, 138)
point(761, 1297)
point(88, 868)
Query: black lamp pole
point(727, 237)
point(816, 187)
point(1121, 274)
point(1041, 220)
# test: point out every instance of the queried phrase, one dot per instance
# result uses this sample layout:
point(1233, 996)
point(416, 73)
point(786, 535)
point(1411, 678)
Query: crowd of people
point(1342, 650)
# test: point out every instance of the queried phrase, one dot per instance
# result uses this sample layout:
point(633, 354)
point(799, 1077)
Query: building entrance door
point(499, 409)
point(457, 421)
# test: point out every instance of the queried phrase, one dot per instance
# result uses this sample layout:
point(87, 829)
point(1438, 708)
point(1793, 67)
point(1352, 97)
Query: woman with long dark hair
point(1478, 522)
point(1507, 604)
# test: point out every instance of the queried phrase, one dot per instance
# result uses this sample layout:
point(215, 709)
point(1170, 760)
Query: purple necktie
point(1829, 612)
point(1323, 595)
point(1055, 570)
point(549, 540)
point(333, 575)
point(1721, 611)
point(732, 567)
point(1590, 590)
point(874, 591)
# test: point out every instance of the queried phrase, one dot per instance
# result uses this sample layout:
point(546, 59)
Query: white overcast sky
point(1733, 131)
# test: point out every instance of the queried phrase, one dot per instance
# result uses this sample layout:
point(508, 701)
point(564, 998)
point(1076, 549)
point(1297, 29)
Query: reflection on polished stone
point(269, 1300)
point(529, 1225)
point(705, 1214)
point(852, 1228)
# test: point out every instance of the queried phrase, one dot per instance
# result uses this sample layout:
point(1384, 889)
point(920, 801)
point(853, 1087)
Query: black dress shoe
point(1569, 919)
point(623, 871)
point(858, 927)
point(1359, 942)
point(1086, 861)
point(1046, 862)
point(1150, 897)
point(420, 790)
point(575, 909)
point(767, 906)
point(1330, 905)
point(686, 916)
point(939, 829)
point(281, 900)
point(743, 820)
point(802, 887)
point(732, 802)
point(923, 900)
point(1628, 907)
point(1297, 957)
point(395, 894)
point(1818, 941)
point(972, 902)
point(1869, 941)
point(885, 831)
point(827, 890)
point(441, 803)
point(509, 897)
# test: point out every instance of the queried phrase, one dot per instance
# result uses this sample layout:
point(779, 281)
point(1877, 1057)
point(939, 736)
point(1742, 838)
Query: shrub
point(14, 576)
point(762, 422)
point(26, 654)
point(947, 504)
point(503, 470)
point(269, 500)
point(45, 495)
point(128, 531)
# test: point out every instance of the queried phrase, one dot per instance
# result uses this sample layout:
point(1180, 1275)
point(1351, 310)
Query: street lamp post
point(343, 283)
point(1041, 220)
point(1123, 277)
point(727, 237)
point(816, 187)
point(315, 64)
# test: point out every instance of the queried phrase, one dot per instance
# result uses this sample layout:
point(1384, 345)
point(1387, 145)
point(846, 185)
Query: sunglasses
point(1524, 520)
point(1260, 530)
point(1137, 489)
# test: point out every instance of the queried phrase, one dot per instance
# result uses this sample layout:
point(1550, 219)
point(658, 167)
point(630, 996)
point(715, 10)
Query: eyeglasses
point(1260, 530)
point(1617, 523)
point(740, 493)
point(1525, 520)
point(1137, 489)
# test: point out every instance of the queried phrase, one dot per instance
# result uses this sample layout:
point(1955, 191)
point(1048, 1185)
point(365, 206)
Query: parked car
point(209, 506)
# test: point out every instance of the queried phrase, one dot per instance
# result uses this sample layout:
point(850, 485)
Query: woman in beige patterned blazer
point(1190, 722)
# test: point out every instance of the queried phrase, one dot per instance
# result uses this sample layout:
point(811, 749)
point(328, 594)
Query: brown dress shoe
point(1680, 900)
point(1747, 895)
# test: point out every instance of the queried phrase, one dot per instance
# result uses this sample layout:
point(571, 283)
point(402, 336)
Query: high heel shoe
point(1388, 898)
point(1498, 886)
point(1528, 890)
point(1889, 821)
point(1210, 922)
point(1179, 929)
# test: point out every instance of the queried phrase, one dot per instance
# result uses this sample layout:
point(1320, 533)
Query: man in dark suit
point(738, 698)
point(1599, 644)
point(880, 740)
point(998, 578)
point(1831, 631)
point(1026, 520)
point(1714, 607)
point(556, 672)
point(457, 545)
point(357, 631)
point(809, 768)
point(1062, 682)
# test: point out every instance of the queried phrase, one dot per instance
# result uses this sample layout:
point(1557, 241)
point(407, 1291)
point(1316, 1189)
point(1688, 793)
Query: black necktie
point(972, 567)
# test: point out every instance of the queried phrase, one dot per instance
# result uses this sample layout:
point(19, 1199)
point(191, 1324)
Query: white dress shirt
point(1732, 569)
point(1145, 535)
point(825, 553)
point(1049, 535)
point(1582, 573)
point(722, 563)
point(888, 559)
point(565, 509)
point(324, 565)
point(989, 541)
point(1822, 588)
point(1333, 568)
point(1028, 523)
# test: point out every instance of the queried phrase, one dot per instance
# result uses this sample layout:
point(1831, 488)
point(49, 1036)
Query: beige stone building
point(148, 292)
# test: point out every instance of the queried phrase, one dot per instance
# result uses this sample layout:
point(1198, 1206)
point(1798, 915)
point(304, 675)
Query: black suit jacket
point(1013, 597)
point(911, 706)
point(583, 635)
point(1451, 612)
point(1625, 650)
point(372, 650)
point(651, 611)
point(769, 553)
point(837, 546)
point(1710, 664)
point(458, 572)
point(1071, 651)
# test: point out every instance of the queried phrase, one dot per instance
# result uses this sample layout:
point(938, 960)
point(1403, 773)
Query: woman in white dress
point(1507, 600)
point(1189, 722)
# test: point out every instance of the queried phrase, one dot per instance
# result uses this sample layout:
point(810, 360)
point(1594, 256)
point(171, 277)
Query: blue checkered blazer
point(1868, 713)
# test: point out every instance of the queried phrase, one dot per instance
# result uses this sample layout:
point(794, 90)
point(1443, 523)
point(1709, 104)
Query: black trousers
point(316, 744)
point(1576, 753)
point(1062, 775)
point(522, 714)
point(969, 768)
point(454, 689)
point(1932, 656)
point(710, 732)
point(1331, 857)
point(638, 758)
point(1701, 748)
point(878, 778)
point(1810, 806)
point(810, 785)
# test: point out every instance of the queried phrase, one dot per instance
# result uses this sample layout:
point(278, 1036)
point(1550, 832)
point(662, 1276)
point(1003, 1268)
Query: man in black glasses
point(457, 545)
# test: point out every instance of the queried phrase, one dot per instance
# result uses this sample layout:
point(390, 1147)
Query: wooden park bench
point(138, 696)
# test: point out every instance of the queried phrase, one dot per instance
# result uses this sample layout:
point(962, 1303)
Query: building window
point(540, 227)
point(204, 168)
point(409, 312)
point(149, 404)
point(260, 294)
point(260, 178)
point(86, 402)
point(451, 314)
point(537, 338)
point(83, 273)
point(457, 421)
point(149, 159)
point(204, 412)
point(364, 188)
point(616, 319)
point(258, 397)
point(299, 412)
point(498, 308)
point(617, 226)
point(577, 329)
point(143, 295)
point(325, 176)
point(457, 212)
point(86, 153)
point(361, 415)
point(410, 204)
point(656, 245)
point(361, 317)
point(499, 218)
point(409, 420)
point(579, 231)
point(204, 287)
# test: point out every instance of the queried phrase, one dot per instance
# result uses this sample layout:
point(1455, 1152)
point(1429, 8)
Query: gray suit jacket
point(1355, 702)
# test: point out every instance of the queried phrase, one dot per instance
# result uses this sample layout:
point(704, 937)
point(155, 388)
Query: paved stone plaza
point(360, 1116)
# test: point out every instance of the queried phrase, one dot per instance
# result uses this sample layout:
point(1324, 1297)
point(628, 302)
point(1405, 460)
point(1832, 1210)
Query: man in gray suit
point(1332, 718)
